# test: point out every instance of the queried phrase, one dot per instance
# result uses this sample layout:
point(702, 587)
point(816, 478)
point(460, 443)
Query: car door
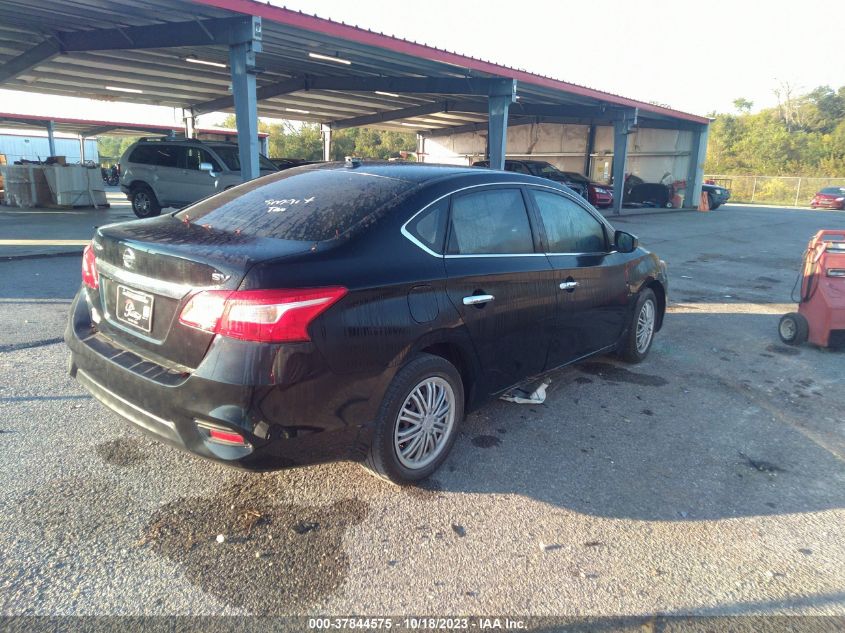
point(167, 159)
point(196, 184)
point(590, 281)
point(501, 285)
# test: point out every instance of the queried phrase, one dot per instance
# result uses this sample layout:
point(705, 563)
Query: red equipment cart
point(821, 307)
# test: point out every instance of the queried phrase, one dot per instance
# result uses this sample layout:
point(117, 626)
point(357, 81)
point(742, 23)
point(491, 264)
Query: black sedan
point(546, 170)
point(352, 312)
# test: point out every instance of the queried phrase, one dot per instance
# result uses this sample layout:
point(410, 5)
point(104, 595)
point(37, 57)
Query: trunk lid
point(149, 269)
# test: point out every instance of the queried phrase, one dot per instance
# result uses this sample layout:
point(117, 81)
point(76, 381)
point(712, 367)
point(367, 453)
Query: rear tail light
point(90, 276)
point(270, 316)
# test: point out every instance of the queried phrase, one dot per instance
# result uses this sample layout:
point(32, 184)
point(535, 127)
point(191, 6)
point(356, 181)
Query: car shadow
point(696, 432)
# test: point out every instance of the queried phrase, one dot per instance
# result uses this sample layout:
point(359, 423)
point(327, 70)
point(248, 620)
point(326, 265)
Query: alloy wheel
point(645, 326)
point(424, 423)
point(141, 202)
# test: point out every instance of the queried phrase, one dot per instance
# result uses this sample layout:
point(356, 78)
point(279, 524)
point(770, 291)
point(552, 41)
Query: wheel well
point(135, 184)
point(455, 355)
point(660, 294)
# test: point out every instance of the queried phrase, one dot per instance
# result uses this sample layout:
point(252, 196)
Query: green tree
point(804, 135)
point(111, 148)
point(305, 141)
point(743, 105)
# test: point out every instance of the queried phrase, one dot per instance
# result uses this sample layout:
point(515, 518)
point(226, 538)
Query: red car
point(829, 198)
point(599, 195)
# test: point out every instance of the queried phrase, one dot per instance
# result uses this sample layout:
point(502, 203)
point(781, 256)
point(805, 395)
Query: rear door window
point(143, 155)
point(303, 203)
point(429, 227)
point(490, 222)
point(570, 228)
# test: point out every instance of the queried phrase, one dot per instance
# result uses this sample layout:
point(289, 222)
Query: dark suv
point(542, 169)
point(352, 312)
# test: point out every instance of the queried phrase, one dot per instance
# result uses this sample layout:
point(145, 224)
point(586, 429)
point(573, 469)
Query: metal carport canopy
point(89, 128)
point(303, 67)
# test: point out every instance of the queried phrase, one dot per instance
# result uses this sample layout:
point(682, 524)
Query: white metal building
point(36, 146)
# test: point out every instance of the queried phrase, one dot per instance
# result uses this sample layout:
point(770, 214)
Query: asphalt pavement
point(707, 480)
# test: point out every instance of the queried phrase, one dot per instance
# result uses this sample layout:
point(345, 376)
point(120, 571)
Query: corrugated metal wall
point(652, 153)
point(34, 147)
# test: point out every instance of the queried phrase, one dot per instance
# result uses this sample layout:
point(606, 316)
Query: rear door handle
point(474, 300)
point(568, 285)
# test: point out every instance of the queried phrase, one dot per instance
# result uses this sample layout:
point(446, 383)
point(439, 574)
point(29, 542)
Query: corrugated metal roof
point(164, 77)
point(92, 127)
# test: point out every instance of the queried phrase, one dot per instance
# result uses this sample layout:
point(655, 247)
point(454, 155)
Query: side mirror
point(207, 167)
point(625, 242)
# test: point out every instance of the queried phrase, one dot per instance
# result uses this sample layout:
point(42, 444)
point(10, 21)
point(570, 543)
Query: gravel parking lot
point(708, 480)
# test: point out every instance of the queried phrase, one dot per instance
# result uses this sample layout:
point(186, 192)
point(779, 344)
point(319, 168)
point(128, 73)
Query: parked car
point(333, 312)
point(163, 172)
point(599, 195)
point(829, 198)
point(541, 169)
point(716, 195)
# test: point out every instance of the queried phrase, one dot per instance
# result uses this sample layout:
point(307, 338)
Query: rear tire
point(793, 328)
point(637, 341)
point(417, 421)
point(144, 202)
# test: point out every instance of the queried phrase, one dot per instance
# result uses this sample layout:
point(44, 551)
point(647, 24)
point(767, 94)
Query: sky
point(693, 56)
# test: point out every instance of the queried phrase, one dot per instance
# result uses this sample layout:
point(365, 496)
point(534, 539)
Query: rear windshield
point(302, 203)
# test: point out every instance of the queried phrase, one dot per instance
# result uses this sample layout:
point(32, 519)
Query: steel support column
point(621, 128)
point(591, 146)
point(190, 121)
point(326, 131)
point(695, 170)
point(242, 64)
point(51, 138)
point(81, 149)
point(498, 103)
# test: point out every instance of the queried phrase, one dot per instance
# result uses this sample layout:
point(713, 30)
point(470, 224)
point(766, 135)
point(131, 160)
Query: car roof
point(183, 141)
point(412, 172)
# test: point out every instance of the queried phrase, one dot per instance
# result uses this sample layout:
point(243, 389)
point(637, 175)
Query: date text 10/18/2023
point(417, 623)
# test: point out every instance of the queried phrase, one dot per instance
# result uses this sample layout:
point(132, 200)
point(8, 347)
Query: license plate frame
point(134, 308)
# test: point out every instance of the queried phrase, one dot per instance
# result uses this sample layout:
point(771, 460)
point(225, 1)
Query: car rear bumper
point(178, 407)
point(827, 204)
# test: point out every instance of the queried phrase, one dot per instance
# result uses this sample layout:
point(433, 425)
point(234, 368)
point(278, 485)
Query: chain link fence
point(775, 190)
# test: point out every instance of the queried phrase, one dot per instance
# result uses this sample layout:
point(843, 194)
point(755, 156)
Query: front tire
point(144, 202)
point(637, 341)
point(793, 328)
point(418, 421)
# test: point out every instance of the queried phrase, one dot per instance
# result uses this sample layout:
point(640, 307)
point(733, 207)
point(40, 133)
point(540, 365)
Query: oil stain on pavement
point(122, 452)
point(613, 373)
point(255, 554)
point(486, 441)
